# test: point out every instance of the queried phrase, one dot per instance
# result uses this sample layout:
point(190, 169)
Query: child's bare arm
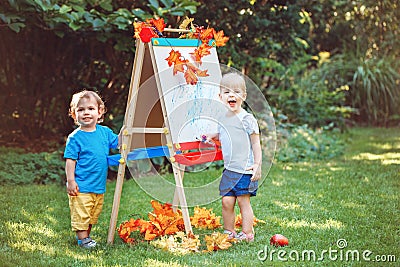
point(72, 186)
point(256, 146)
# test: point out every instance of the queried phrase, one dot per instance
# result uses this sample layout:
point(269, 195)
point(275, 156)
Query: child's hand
point(256, 168)
point(206, 140)
point(72, 188)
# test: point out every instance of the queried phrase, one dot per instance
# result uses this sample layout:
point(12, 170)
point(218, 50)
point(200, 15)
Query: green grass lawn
point(317, 205)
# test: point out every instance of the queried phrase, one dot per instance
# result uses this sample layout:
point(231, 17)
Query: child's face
point(87, 113)
point(232, 98)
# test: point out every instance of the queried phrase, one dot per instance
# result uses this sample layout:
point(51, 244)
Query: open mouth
point(232, 102)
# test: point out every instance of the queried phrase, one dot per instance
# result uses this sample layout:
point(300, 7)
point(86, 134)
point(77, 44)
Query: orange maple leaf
point(179, 66)
point(174, 56)
point(238, 221)
point(202, 73)
point(220, 39)
point(205, 219)
point(190, 77)
point(149, 235)
point(207, 34)
point(192, 67)
point(201, 51)
point(158, 23)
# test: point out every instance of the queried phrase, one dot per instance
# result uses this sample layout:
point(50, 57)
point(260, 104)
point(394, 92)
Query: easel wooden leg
point(116, 202)
point(175, 202)
point(179, 191)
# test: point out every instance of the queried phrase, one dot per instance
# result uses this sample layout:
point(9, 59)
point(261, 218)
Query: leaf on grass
point(238, 221)
point(205, 219)
point(162, 221)
point(217, 241)
point(179, 243)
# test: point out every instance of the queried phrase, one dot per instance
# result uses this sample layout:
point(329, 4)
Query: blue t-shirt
point(90, 150)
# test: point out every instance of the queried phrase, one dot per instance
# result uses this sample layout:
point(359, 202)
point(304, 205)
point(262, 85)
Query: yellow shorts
point(85, 209)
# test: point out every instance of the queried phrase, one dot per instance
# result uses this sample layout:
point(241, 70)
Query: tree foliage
point(53, 48)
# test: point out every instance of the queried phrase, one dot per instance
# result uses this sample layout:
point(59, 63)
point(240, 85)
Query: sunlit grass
point(314, 204)
point(327, 224)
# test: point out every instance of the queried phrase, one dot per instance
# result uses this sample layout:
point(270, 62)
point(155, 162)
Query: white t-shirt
point(234, 134)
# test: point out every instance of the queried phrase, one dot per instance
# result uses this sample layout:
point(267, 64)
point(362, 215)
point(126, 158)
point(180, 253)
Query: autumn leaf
point(159, 24)
point(206, 35)
point(174, 56)
point(190, 77)
point(185, 23)
point(179, 66)
point(149, 235)
point(205, 219)
point(126, 228)
point(217, 241)
point(202, 73)
point(179, 243)
point(201, 51)
point(165, 209)
point(220, 39)
point(238, 221)
point(138, 27)
point(162, 221)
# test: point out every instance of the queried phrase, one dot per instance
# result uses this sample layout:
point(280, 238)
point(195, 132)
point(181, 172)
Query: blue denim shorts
point(237, 184)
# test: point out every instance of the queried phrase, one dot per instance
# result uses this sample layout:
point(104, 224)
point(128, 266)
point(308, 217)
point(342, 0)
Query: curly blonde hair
point(86, 94)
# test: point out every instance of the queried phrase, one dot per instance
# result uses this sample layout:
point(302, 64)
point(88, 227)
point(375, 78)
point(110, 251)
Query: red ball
point(279, 240)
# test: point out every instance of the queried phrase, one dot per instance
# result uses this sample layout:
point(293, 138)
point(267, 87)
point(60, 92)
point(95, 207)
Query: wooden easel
point(154, 129)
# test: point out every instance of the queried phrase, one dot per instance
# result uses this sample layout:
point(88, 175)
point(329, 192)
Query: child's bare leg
point(82, 234)
point(247, 213)
point(228, 212)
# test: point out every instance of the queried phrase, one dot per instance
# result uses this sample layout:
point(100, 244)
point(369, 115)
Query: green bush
point(300, 143)
point(305, 95)
point(373, 85)
point(19, 167)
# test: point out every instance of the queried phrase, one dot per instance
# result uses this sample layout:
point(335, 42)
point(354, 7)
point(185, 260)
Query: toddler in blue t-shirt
point(86, 165)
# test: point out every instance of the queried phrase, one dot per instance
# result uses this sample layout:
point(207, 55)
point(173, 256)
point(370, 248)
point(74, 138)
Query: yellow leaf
point(217, 241)
point(185, 23)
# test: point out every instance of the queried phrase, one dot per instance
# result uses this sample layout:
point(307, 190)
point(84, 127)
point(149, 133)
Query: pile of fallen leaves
point(162, 221)
point(165, 230)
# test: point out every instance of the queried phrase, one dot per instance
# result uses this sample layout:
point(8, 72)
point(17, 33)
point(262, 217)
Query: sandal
point(88, 243)
point(231, 235)
point(242, 236)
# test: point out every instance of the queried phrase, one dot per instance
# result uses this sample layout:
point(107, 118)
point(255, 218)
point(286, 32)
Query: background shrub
point(301, 143)
point(20, 167)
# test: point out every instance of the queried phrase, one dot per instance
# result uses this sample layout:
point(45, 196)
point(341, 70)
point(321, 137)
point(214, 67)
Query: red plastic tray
point(198, 157)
